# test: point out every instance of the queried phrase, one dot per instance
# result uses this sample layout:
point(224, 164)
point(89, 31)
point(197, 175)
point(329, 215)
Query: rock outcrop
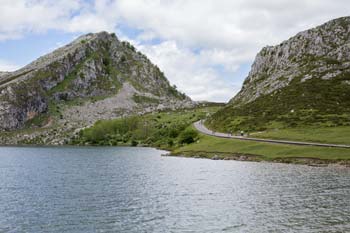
point(322, 52)
point(303, 80)
point(94, 77)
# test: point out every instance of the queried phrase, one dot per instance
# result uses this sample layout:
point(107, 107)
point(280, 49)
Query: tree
point(188, 136)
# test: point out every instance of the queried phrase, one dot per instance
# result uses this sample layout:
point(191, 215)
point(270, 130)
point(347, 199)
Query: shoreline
point(313, 162)
point(200, 127)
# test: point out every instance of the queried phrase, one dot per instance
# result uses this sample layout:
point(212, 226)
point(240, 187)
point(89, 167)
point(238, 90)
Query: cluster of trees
point(149, 130)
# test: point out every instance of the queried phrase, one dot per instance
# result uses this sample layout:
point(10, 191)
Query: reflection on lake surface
point(137, 190)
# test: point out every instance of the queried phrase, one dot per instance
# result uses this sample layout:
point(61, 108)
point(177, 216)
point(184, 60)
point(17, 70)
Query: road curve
point(201, 128)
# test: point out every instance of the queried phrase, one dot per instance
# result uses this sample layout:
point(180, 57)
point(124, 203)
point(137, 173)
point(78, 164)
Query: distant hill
point(303, 80)
point(94, 77)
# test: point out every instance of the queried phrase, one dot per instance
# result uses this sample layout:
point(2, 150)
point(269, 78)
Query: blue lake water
point(137, 190)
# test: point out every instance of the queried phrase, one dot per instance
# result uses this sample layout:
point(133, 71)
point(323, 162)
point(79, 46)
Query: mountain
point(95, 77)
point(303, 80)
point(2, 73)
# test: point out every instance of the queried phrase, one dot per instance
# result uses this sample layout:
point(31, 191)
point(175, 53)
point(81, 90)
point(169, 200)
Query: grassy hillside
point(314, 102)
point(174, 131)
point(334, 135)
point(209, 147)
point(167, 130)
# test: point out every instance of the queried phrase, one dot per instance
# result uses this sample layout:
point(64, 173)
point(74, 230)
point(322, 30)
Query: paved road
point(201, 128)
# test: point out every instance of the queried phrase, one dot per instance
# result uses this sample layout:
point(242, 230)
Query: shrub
point(134, 143)
point(170, 143)
point(188, 136)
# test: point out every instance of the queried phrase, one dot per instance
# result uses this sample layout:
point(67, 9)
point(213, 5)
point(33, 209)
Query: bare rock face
point(302, 81)
point(2, 73)
point(322, 53)
point(94, 75)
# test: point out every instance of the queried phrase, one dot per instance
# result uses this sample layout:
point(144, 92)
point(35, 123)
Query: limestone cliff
point(322, 52)
point(94, 77)
point(308, 74)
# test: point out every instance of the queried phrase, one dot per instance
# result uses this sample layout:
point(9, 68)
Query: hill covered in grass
point(304, 81)
point(96, 76)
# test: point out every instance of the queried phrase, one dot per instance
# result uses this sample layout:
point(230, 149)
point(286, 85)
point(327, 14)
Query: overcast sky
point(205, 47)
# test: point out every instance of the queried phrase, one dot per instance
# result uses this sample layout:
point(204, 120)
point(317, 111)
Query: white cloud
point(229, 59)
point(95, 17)
point(228, 24)
point(19, 16)
point(226, 33)
point(190, 72)
point(8, 66)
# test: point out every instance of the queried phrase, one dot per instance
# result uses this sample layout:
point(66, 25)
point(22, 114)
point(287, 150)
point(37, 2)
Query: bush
point(159, 130)
point(134, 143)
point(170, 143)
point(188, 136)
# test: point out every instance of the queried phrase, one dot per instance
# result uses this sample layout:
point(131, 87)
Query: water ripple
point(137, 190)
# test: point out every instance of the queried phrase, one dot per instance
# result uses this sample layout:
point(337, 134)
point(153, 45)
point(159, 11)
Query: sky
point(204, 47)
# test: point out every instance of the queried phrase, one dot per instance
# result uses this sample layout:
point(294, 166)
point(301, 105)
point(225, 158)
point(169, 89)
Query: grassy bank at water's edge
point(174, 131)
point(222, 148)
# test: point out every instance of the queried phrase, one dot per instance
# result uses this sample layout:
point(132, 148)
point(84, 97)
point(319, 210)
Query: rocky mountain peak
point(322, 52)
point(94, 77)
point(80, 43)
point(304, 80)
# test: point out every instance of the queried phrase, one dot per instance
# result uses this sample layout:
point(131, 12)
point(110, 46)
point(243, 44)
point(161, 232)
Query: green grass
point(267, 151)
point(167, 130)
point(335, 135)
point(314, 102)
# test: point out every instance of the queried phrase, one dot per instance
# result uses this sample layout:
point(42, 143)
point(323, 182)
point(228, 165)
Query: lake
point(137, 190)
